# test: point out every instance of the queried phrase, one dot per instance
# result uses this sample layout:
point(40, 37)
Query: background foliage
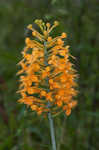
point(23, 130)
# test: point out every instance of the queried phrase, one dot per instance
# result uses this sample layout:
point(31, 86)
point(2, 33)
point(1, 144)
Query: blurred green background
point(23, 130)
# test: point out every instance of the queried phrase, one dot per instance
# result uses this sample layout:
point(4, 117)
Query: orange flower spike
point(47, 72)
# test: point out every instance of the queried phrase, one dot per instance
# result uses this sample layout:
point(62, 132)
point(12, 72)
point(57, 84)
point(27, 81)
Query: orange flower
point(43, 93)
point(48, 25)
point(47, 69)
point(59, 41)
point(62, 52)
point(49, 96)
point(34, 107)
point(59, 103)
point(30, 90)
point(68, 112)
point(34, 78)
point(47, 75)
point(64, 35)
point(49, 39)
point(44, 74)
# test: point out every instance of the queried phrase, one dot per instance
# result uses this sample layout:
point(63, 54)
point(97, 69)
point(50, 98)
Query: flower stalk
point(52, 131)
point(51, 124)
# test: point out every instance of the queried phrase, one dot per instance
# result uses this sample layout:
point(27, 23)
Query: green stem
point(49, 114)
point(52, 131)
